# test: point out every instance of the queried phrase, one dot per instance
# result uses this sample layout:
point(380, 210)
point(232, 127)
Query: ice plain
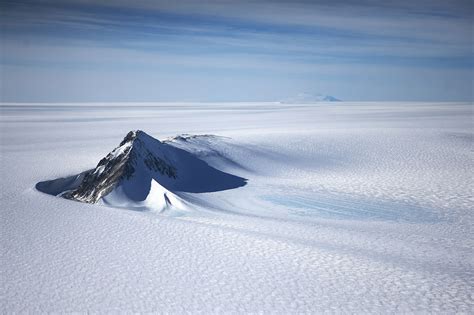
point(349, 207)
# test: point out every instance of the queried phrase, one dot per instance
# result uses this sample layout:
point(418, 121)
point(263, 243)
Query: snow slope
point(356, 207)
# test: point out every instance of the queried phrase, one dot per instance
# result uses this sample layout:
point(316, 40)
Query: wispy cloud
point(251, 38)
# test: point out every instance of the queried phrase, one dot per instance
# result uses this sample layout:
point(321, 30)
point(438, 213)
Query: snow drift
point(143, 172)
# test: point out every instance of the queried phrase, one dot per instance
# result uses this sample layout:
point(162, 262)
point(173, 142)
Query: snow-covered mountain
point(143, 172)
point(307, 98)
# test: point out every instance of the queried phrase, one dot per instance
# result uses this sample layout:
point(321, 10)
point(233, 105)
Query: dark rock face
point(118, 165)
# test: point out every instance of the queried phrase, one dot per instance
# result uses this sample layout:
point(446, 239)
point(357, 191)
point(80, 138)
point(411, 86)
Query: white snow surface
point(158, 199)
point(353, 207)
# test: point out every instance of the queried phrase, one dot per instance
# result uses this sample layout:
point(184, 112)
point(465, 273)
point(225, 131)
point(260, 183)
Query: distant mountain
point(308, 98)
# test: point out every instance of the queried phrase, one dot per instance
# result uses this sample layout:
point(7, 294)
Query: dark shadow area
point(196, 176)
point(57, 186)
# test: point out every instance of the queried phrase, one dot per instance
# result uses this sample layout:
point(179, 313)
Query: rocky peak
point(136, 151)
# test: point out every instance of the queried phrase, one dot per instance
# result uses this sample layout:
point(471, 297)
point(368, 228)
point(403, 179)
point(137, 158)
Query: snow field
point(353, 207)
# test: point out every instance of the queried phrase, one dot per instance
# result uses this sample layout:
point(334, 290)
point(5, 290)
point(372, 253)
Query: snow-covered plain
point(348, 207)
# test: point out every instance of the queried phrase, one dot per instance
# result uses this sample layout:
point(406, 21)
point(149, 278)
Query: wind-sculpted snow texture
point(347, 208)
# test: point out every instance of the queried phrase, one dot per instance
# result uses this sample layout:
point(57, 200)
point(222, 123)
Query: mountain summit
point(137, 155)
point(308, 98)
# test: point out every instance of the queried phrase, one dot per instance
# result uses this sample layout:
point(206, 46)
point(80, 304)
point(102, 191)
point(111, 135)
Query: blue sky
point(80, 50)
